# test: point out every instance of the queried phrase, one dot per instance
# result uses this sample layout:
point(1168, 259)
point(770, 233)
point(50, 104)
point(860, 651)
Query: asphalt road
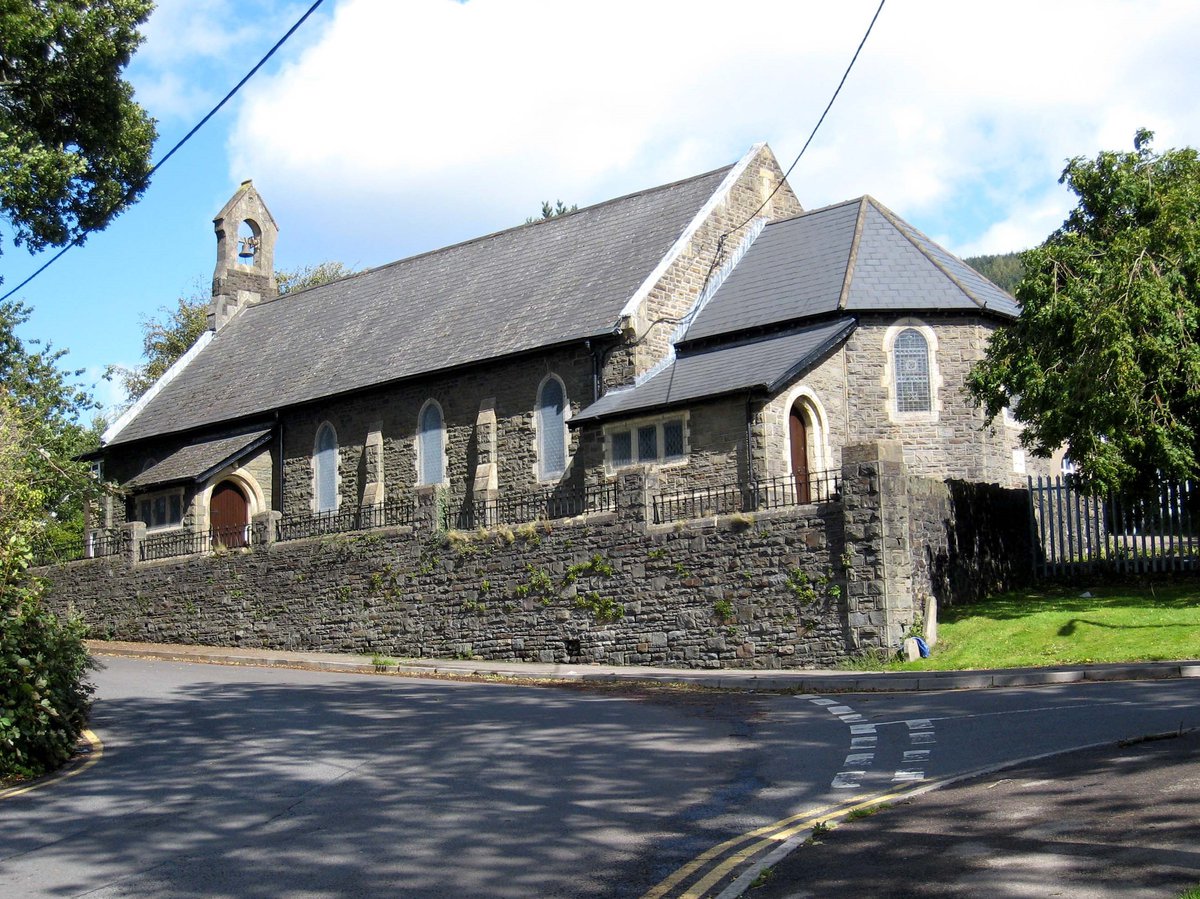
point(1111, 822)
point(226, 781)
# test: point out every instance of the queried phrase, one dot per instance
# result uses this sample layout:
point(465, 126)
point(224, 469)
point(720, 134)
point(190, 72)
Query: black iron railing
point(781, 492)
point(381, 515)
point(100, 544)
point(174, 543)
point(94, 545)
point(726, 499)
point(699, 502)
point(545, 505)
point(230, 537)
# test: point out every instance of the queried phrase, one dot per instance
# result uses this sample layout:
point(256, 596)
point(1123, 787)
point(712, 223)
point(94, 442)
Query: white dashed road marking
point(863, 736)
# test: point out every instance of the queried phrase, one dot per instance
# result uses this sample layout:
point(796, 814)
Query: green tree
point(74, 151)
point(44, 696)
point(46, 405)
point(1104, 356)
point(169, 335)
point(306, 276)
point(1002, 269)
point(76, 147)
point(554, 210)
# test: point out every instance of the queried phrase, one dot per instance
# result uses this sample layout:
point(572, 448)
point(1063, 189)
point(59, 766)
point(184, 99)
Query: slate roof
point(763, 364)
point(199, 460)
point(856, 256)
point(534, 286)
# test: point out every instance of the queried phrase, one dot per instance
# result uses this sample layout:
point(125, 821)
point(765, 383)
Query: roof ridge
point(807, 212)
point(514, 228)
point(855, 243)
point(904, 227)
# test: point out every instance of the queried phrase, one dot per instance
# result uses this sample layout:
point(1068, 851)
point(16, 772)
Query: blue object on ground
point(922, 647)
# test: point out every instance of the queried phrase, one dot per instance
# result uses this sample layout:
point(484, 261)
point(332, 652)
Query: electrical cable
point(816, 127)
point(129, 195)
point(720, 249)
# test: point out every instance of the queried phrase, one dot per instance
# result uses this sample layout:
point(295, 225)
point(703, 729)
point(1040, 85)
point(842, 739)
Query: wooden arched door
point(798, 430)
point(228, 516)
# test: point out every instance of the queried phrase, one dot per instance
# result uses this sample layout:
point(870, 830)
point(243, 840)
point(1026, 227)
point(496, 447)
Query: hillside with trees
point(1005, 270)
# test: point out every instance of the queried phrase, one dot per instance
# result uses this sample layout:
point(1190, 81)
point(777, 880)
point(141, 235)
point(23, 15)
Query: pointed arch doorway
point(798, 431)
point(229, 515)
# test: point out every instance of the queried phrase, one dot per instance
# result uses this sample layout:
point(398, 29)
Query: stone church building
point(710, 332)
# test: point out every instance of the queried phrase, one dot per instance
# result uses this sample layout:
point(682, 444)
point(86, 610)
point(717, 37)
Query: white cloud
point(196, 50)
point(416, 119)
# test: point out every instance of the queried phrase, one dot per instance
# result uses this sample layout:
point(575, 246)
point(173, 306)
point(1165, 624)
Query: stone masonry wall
point(823, 395)
point(605, 589)
point(513, 385)
point(968, 540)
point(955, 442)
point(794, 587)
point(651, 327)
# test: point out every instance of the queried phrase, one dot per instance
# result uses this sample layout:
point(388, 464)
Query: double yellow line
point(96, 749)
point(719, 862)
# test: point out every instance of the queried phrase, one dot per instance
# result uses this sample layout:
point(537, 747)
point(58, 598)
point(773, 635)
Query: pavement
point(806, 680)
point(1107, 822)
point(1118, 820)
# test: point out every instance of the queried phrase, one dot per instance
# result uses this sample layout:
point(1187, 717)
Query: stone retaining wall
point(796, 587)
point(969, 541)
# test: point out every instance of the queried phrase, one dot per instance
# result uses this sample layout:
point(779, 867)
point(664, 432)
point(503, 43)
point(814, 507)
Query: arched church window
point(551, 429)
point(431, 445)
point(325, 468)
point(911, 364)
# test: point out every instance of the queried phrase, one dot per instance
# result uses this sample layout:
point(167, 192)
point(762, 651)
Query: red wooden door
point(799, 435)
point(228, 514)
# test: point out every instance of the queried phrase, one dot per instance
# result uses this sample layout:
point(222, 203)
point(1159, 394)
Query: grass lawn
point(1059, 626)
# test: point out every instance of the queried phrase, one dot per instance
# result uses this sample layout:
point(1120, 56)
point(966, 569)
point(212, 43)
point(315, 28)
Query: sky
point(383, 129)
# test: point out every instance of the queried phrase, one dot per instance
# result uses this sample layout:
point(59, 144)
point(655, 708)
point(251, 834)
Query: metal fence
point(174, 543)
point(545, 505)
point(777, 493)
point(93, 545)
point(726, 499)
point(1077, 533)
point(380, 515)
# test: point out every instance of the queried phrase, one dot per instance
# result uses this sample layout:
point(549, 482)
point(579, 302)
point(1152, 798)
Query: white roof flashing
point(718, 197)
point(167, 377)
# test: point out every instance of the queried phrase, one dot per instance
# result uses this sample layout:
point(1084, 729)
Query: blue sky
point(385, 129)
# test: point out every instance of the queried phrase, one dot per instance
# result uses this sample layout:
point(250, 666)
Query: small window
point(325, 469)
point(672, 432)
point(645, 444)
point(911, 361)
point(622, 449)
point(551, 430)
point(161, 510)
point(431, 453)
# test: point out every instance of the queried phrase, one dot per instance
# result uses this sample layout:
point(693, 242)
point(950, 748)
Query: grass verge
point(1063, 627)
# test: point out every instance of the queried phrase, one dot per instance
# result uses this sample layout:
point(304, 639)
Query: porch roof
point(762, 364)
point(199, 461)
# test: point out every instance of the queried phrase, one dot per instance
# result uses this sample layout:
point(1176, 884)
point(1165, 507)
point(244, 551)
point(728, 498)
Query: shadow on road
point(351, 785)
point(1110, 822)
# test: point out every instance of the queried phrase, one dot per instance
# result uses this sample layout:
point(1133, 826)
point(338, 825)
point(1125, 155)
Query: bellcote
point(245, 272)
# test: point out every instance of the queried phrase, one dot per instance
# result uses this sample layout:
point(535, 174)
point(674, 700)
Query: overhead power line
point(720, 248)
point(817, 127)
point(200, 124)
